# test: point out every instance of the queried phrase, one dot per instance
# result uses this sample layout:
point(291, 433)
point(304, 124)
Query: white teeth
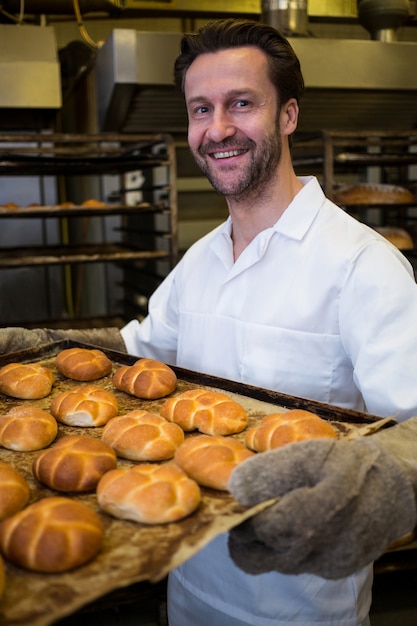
point(225, 155)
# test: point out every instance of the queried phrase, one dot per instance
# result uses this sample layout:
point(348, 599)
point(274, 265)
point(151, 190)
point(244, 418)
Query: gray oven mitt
point(15, 339)
point(341, 503)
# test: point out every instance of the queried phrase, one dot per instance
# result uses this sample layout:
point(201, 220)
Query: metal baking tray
point(132, 552)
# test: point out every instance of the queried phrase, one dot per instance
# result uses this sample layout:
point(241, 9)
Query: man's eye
point(242, 103)
point(201, 110)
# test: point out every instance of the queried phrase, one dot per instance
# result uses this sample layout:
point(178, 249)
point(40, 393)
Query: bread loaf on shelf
point(149, 493)
point(280, 429)
point(85, 406)
point(75, 463)
point(210, 412)
point(399, 237)
point(14, 491)
point(142, 436)
point(26, 381)
point(26, 428)
point(372, 193)
point(52, 535)
point(83, 364)
point(210, 460)
point(146, 378)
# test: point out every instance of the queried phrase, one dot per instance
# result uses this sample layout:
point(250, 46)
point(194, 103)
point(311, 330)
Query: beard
point(253, 180)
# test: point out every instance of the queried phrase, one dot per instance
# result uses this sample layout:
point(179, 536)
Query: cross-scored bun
point(26, 428)
point(2, 578)
point(52, 535)
point(210, 412)
point(211, 460)
point(147, 378)
point(26, 381)
point(75, 463)
point(279, 429)
point(142, 436)
point(14, 492)
point(85, 406)
point(83, 364)
point(149, 493)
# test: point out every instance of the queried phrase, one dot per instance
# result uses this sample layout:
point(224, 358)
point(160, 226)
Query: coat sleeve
point(378, 315)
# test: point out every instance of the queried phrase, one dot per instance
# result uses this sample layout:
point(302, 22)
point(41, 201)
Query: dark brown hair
point(284, 66)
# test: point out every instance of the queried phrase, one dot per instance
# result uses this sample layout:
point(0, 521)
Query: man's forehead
point(244, 66)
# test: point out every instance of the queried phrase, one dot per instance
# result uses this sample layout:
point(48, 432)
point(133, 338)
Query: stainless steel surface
point(349, 83)
point(288, 16)
point(29, 68)
point(383, 18)
point(124, 7)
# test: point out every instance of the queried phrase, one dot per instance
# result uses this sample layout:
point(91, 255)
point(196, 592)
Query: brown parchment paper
point(132, 552)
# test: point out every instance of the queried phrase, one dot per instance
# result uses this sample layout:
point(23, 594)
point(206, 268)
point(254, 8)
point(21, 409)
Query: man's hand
point(340, 503)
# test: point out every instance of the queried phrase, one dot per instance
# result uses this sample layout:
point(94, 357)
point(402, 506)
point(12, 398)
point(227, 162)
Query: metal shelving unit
point(143, 242)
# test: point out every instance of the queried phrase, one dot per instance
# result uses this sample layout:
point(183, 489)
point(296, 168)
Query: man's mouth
point(227, 154)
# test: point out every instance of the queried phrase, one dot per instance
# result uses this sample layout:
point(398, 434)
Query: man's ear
point(289, 117)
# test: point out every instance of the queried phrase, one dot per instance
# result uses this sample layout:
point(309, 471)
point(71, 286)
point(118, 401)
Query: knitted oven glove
point(14, 339)
point(341, 503)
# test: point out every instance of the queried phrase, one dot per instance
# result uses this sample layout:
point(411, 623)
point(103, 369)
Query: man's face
point(233, 128)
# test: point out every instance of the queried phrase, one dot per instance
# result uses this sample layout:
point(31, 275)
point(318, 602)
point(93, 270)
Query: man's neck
point(259, 212)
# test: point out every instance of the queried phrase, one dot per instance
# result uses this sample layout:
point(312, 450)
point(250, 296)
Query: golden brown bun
point(372, 193)
point(211, 460)
point(26, 428)
point(142, 436)
point(2, 578)
point(93, 203)
point(26, 381)
point(55, 534)
point(146, 378)
point(279, 429)
point(14, 492)
point(85, 406)
point(83, 364)
point(11, 205)
point(210, 412)
point(399, 237)
point(75, 463)
point(148, 493)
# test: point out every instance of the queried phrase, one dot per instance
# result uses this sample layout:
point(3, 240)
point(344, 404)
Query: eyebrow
point(233, 93)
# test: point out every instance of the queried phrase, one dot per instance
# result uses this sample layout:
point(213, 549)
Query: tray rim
point(324, 410)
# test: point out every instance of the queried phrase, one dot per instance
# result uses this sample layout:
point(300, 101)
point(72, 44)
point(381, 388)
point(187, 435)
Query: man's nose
point(221, 126)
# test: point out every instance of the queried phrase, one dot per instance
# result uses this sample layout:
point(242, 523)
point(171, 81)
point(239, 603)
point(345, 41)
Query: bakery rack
point(141, 202)
point(340, 158)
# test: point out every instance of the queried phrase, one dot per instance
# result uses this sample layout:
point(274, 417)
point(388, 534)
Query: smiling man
point(294, 295)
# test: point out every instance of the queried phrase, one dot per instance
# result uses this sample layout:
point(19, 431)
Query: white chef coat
point(320, 306)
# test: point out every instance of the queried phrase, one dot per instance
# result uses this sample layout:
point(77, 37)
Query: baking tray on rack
point(133, 552)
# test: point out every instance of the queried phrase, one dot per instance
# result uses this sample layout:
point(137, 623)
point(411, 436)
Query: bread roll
point(93, 203)
point(279, 429)
point(14, 492)
point(399, 237)
point(52, 535)
point(26, 381)
point(85, 406)
point(372, 193)
point(26, 428)
point(83, 364)
point(148, 493)
point(2, 578)
point(143, 436)
point(75, 463)
point(210, 412)
point(147, 378)
point(211, 460)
